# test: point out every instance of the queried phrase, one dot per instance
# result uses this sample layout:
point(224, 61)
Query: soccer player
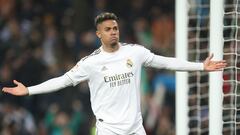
point(113, 75)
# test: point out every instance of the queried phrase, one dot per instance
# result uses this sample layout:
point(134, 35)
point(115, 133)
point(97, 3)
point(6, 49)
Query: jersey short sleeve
point(78, 73)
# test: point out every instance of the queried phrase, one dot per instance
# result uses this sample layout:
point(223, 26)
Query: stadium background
point(44, 39)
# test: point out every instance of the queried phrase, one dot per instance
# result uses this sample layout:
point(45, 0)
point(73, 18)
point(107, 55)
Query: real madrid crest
point(129, 63)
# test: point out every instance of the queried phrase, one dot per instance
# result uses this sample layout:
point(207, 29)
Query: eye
point(107, 29)
point(115, 28)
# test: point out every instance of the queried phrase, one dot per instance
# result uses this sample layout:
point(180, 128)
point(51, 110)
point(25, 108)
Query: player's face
point(108, 33)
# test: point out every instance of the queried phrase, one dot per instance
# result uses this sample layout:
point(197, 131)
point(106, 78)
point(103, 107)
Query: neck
point(110, 48)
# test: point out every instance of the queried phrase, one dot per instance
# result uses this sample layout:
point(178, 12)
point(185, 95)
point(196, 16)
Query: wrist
point(203, 67)
point(27, 92)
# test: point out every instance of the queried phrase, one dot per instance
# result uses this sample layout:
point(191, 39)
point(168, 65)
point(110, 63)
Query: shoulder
point(132, 46)
point(136, 48)
point(90, 57)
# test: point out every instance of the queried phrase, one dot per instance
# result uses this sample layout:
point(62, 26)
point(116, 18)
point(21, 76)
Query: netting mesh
point(198, 49)
point(231, 75)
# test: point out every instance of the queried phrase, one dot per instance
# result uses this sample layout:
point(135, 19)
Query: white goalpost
point(199, 95)
point(216, 79)
point(181, 77)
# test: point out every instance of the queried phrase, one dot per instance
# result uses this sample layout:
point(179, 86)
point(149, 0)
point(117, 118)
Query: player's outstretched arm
point(19, 90)
point(51, 85)
point(210, 65)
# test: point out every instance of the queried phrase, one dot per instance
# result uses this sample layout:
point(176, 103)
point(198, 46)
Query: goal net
point(231, 82)
point(208, 103)
point(198, 49)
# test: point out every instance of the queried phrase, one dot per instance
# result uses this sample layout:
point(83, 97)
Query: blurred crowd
point(43, 39)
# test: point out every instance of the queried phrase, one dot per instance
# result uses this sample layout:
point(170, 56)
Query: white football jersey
point(114, 82)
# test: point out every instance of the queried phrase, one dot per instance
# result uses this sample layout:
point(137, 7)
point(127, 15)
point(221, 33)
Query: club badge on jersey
point(129, 63)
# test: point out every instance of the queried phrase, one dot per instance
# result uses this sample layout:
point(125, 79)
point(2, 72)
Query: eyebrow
point(108, 27)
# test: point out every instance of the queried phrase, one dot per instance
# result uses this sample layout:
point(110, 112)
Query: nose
point(113, 32)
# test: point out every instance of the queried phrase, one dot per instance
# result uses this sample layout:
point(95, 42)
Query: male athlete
point(113, 75)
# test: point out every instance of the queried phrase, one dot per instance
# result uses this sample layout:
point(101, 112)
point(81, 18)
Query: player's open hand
point(210, 65)
point(19, 90)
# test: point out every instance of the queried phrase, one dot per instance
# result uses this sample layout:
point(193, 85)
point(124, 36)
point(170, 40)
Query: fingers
point(220, 61)
point(220, 64)
point(7, 90)
point(19, 90)
point(12, 90)
point(215, 69)
point(16, 82)
point(210, 56)
point(215, 65)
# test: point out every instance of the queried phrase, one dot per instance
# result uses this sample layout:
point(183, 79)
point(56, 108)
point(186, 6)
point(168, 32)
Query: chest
point(116, 66)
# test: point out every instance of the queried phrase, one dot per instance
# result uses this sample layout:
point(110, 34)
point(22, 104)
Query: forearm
point(50, 85)
point(175, 64)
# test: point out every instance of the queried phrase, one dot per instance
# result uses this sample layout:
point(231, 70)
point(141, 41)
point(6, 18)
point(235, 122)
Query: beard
point(113, 44)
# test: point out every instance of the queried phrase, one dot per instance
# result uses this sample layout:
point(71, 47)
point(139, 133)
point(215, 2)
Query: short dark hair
point(105, 16)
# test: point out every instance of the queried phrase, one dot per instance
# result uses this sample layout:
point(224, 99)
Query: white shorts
point(103, 131)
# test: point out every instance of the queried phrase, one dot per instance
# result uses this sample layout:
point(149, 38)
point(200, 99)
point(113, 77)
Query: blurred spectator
point(16, 121)
point(162, 28)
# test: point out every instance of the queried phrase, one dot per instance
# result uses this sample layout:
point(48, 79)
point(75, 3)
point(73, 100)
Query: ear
point(98, 34)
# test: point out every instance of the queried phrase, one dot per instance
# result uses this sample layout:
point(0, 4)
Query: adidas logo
point(104, 68)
